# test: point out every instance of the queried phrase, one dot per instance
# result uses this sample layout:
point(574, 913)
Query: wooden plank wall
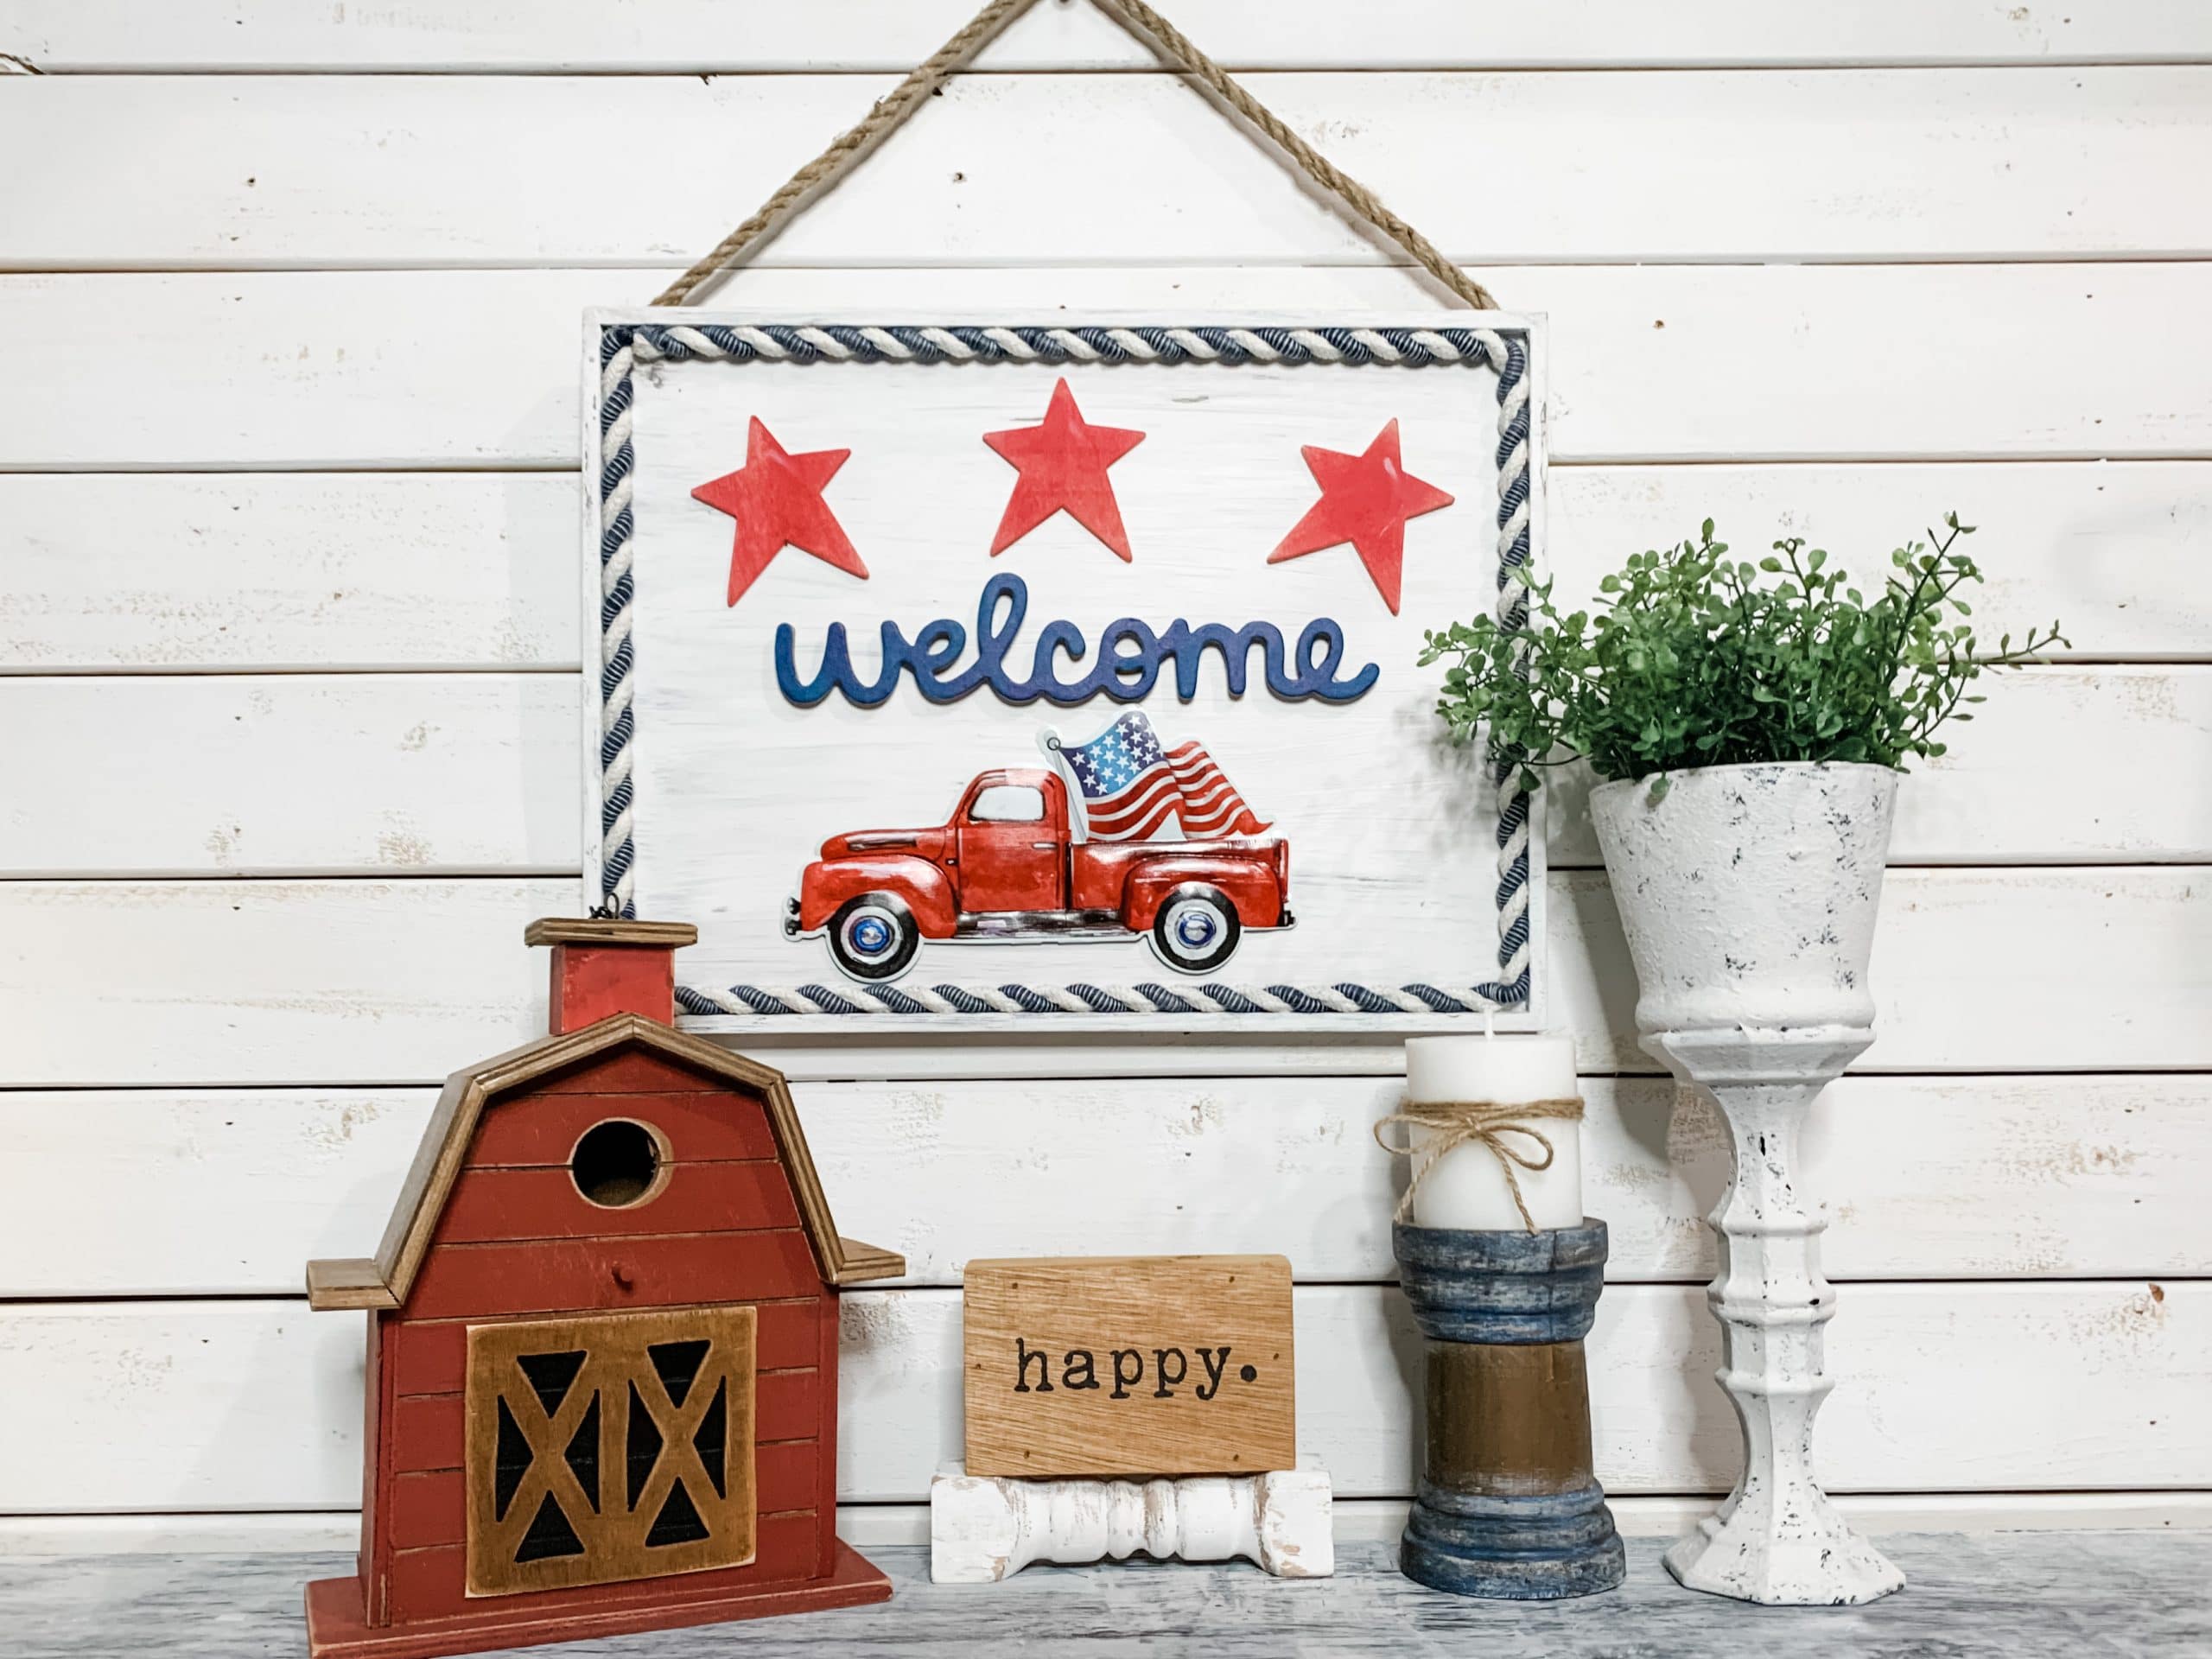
point(288, 676)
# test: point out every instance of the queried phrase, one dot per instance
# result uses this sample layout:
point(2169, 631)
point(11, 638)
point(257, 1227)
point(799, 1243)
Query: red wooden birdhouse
point(603, 1362)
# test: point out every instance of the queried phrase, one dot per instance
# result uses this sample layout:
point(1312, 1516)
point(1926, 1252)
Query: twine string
point(1143, 21)
point(889, 113)
point(1454, 1123)
point(891, 110)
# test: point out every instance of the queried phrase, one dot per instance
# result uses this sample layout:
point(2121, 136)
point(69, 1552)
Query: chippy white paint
point(983, 1529)
point(1777, 1539)
point(1748, 894)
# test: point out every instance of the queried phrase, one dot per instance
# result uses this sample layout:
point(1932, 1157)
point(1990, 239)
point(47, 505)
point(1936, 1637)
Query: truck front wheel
point(874, 938)
point(1196, 929)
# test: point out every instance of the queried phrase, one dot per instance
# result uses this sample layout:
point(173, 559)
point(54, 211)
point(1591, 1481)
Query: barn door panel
point(609, 1448)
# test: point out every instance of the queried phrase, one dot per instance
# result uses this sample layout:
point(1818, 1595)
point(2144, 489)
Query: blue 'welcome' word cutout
point(1130, 657)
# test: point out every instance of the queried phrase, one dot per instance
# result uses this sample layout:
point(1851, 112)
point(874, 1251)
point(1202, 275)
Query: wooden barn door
point(609, 1448)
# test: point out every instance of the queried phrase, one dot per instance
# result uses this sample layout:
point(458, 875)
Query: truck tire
point(874, 938)
point(1196, 929)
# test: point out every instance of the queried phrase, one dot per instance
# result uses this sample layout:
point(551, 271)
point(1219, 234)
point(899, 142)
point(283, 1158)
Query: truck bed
point(1098, 869)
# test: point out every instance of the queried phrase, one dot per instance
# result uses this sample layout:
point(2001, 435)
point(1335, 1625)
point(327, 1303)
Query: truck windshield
point(1008, 803)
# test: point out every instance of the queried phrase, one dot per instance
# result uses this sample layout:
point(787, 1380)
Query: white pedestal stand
point(1748, 895)
point(984, 1529)
point(1778, 1539)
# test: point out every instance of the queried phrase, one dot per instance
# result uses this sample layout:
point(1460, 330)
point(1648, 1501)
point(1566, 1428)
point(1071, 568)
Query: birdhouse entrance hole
point(618, 1164)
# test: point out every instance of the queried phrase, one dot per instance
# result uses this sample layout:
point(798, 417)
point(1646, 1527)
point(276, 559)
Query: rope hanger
point(892, 112)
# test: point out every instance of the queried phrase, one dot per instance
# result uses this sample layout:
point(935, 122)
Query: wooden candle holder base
point(1507, 1505)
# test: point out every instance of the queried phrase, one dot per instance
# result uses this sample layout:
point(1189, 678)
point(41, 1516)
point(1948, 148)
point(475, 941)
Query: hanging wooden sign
point(1128, 1365)
point(996, 671)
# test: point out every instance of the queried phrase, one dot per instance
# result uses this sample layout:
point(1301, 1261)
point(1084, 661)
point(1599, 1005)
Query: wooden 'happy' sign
point(1001, 672)
point(1129, 1365)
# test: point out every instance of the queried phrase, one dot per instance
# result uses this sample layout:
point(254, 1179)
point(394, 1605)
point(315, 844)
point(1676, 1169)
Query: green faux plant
point(1694, 660)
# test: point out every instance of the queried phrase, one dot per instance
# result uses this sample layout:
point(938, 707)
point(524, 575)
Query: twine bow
point(1453, 1123)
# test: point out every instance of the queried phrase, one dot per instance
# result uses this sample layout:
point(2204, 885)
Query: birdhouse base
point(336, 1629)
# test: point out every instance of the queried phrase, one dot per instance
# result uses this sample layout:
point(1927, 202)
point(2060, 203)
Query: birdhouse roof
point(382, 1282)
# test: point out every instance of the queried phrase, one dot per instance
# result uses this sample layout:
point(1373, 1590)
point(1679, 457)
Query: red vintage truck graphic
point(1010, 866)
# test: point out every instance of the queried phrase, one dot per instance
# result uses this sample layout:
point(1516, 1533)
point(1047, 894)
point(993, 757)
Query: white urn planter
point(1748, 894)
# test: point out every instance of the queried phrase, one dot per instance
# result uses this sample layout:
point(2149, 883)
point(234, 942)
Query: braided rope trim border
point(623, 346)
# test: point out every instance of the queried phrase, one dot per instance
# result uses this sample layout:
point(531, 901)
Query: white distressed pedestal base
point(1748, 894)
point(982, 1529)
point(1777, 1539)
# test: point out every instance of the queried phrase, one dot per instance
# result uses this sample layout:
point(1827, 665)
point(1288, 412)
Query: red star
point(1365, 500)
point(1063, 464)
point(776, 497)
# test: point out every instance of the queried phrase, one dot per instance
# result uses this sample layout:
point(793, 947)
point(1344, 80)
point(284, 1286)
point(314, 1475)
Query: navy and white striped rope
point(617, 652)
point(844, 343)
point(1085, 999)
point(623, 346)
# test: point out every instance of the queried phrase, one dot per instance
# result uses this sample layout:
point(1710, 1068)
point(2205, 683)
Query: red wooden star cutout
point(1063, 464)
point(776, 497)
point(1365, 500)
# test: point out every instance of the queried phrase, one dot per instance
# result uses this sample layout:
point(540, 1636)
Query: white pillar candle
point(1466, 1187)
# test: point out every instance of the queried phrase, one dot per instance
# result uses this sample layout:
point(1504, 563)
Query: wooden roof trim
point(384, 1282)
point(865, 1261)
point(356, 1283)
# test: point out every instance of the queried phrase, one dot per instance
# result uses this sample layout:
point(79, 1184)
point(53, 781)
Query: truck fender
point(1249, 883)
point(830, 882)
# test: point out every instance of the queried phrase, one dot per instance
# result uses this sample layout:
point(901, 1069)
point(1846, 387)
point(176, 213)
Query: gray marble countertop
point(2083, 1595)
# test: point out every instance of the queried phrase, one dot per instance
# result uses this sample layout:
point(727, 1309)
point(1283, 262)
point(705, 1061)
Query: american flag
point(1131, 787)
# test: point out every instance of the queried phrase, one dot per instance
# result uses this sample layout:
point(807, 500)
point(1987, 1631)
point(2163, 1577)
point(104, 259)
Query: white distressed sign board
point(1378, 874)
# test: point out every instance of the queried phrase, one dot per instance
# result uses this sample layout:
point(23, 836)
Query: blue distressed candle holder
point(1508, 1506)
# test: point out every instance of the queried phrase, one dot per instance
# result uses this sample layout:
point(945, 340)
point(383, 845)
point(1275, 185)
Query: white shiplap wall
point(289, 669)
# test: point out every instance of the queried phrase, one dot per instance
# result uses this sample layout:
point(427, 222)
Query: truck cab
point(1011, 830)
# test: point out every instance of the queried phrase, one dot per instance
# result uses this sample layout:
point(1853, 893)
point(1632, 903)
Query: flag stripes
point(1190, 786)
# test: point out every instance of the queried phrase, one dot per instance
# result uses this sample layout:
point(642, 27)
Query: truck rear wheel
point(1196, 929)
point(874, 938)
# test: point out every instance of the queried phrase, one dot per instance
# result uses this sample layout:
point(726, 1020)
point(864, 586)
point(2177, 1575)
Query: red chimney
point(603, 967)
